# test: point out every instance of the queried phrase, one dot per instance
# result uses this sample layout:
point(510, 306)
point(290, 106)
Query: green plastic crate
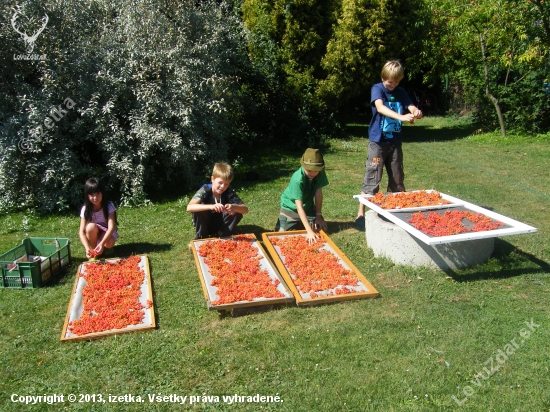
point(34, 262)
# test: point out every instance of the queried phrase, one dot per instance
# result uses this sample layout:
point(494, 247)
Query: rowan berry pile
point(408, 199)
point(111, 296)
point(452, 223)
point(314, 269)
point(235, 265)
point(92, 253)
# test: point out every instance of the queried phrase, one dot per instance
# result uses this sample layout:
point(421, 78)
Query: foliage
point(526, 105)
point(287, 44)
point(157, 98)
point(148, 94)
point(368, 33)
point(514, 35)
point(326, 53)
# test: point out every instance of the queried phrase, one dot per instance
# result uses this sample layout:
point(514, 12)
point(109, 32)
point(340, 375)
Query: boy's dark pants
point(384, 155)
point(210, 223)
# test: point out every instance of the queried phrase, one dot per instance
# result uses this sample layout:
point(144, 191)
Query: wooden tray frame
point(371, 291)
point(242, 304)
point(513, 227)
point(130, 328)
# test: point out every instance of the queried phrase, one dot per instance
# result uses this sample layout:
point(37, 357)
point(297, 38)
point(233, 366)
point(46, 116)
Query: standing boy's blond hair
point(393, 70)
point(223, 171)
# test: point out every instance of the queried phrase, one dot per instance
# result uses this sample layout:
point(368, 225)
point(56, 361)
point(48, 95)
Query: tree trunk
point(487, 89)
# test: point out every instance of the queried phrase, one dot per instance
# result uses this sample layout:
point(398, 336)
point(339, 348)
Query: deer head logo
point(21, 24)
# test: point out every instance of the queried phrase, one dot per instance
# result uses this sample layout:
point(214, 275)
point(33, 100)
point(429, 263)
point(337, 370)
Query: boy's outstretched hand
point(311, 237)
point(415, 113)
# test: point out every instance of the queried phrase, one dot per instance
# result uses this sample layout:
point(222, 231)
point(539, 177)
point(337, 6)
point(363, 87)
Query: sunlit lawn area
point(431, 341)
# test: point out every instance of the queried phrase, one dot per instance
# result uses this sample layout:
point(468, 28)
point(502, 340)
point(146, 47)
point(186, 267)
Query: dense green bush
point(368, 33)
point(526, 105)
point(157, 92)
point(286, 45)
point(324, 54)
point(498, 48)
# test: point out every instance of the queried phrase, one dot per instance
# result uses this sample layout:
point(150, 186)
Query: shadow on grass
point(66, 274)
point(332, 228)
point(267, 166)
point(141, 248)
point(503, 252)
point(336, 227)
point(357, 130)
point(257, 230)
point(419, 133)
point(252, 310)
point(154, 293)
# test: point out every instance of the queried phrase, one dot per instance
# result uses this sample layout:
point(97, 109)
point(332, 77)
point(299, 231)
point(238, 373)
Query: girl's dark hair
point(94, 185)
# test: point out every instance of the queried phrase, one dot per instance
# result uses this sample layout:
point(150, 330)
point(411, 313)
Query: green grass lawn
point(480, 335)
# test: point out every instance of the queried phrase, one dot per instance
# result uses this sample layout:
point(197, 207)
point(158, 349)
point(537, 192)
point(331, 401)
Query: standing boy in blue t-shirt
point(388, 102)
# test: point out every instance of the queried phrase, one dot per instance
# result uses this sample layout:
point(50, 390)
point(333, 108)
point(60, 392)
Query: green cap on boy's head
point(312, 160)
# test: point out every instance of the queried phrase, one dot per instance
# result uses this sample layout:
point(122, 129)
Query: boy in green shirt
point(302, 200)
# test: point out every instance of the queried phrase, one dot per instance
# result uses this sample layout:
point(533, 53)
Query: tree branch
point(487, 88)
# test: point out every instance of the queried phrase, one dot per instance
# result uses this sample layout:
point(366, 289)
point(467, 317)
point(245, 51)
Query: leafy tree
point(368, 33)
point(157, 92)
point(287, 44)
point(490, 47)
point(328, 52)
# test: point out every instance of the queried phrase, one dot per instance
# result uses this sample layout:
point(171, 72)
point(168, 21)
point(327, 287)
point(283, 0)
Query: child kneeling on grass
point(302, 200)
point(98, 223)
point(216, 208)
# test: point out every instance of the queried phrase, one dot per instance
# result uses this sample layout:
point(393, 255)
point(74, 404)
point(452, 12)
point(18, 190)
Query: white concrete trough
point(390, 235)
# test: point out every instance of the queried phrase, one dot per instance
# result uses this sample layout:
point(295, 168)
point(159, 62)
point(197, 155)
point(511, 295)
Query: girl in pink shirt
point(97, 220)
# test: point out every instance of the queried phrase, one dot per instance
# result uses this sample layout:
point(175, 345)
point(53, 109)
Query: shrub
point(156, 97)
point(525, 104)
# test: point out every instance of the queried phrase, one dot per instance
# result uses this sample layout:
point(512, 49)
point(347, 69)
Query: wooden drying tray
point(364, 289)
point(74, 310)
point(210, 291)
